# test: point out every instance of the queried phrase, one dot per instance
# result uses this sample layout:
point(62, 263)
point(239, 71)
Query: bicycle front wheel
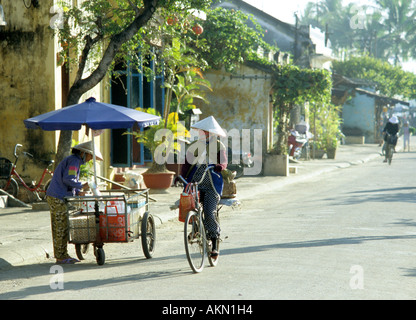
point(213, 261)
point(194, 236)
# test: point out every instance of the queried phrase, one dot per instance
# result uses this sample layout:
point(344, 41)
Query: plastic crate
point(119, 223)
point(5, 168)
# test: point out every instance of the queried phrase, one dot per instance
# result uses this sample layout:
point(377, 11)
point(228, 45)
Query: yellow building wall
point(27, 78)
point(31, 84)
point(239, 102)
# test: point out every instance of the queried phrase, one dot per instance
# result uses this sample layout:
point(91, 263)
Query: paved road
point(348, 234)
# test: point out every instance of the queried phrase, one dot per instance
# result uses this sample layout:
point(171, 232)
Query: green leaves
point(150, 136)
point(391, 81)
point(293, 85)
point(176, 49)
point(326, 125)
point(91, 24)
point(188, 88)
point(232, 38)
point(385, 29)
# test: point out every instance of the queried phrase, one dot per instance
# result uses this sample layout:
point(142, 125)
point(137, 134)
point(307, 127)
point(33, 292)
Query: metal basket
point(5, 168)
point(82, 228)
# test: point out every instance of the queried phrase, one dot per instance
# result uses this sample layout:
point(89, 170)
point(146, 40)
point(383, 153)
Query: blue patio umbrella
point(95, 115)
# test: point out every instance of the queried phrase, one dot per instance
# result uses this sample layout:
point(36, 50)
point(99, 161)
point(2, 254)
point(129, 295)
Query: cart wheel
point(148, 235)
point(81, 250)
point(100, 256)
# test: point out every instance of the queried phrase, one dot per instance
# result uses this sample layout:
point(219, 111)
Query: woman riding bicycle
point(198, 157)
point(390, 133)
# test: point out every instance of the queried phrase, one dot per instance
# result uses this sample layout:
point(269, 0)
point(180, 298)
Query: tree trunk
point(283, 130)
point(65, 137)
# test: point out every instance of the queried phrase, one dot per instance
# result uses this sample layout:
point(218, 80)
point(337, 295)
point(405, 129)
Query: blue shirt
point(65, 180)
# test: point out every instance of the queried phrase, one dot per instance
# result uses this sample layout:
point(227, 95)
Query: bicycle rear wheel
point(13, 187)
point(194, 236)
point(42, 191)
point(390, 154)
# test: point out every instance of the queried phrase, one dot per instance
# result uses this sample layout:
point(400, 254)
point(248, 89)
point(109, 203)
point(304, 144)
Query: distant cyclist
point(390, 132)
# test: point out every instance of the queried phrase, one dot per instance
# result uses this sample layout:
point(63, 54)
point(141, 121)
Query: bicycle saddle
point(47, 162)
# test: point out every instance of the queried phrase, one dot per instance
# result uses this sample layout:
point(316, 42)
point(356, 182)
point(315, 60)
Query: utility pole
point(295, 51)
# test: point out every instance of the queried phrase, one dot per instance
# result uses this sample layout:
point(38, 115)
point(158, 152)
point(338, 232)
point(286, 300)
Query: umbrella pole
point(94, 161)
point(97, 213)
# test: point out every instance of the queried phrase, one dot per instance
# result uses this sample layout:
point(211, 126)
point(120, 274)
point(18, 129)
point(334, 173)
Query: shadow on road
point(400, 194)
point(44, 269)
point(314, 243)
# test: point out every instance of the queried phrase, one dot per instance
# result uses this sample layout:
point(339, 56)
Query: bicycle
point(8, 173)
point(389, 149)
point(197, 244)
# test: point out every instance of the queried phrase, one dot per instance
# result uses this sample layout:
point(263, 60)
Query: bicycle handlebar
point(15, 149)
point(183, 180)
point(210, 166)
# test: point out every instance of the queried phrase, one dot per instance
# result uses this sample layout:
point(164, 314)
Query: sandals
point(214, 254)
point(67, 261)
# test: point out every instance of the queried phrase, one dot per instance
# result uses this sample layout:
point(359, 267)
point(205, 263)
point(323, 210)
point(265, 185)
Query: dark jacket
point(392, 129)
point(188, 169)
point(65, 181)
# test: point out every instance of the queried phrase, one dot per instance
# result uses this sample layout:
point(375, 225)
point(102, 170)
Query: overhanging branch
point(81, 86)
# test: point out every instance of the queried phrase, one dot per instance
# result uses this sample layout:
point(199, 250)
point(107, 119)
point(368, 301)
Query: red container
point(113, 227)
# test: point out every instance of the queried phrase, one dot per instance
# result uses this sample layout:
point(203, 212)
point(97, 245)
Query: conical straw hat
point(87, 147)
point(211, 125)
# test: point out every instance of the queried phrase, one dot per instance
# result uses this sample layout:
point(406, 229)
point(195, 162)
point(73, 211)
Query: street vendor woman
point(65, 183)
point(196, 161)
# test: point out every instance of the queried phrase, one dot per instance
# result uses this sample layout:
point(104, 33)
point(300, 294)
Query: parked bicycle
point(9, 177)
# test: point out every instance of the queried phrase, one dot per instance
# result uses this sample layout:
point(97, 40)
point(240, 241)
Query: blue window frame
point(131, 88)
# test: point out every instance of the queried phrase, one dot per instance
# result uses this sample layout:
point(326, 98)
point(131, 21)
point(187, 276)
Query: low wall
point(355, 140)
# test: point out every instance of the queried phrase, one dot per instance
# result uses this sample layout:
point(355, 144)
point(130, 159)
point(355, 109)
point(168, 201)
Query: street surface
point(347, 234)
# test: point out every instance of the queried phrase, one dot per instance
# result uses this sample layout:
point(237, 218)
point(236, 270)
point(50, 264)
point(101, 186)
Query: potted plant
point(328, 131)
point(162, 141)
point(332, 132)
point(331, 147)
point(318, 150)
